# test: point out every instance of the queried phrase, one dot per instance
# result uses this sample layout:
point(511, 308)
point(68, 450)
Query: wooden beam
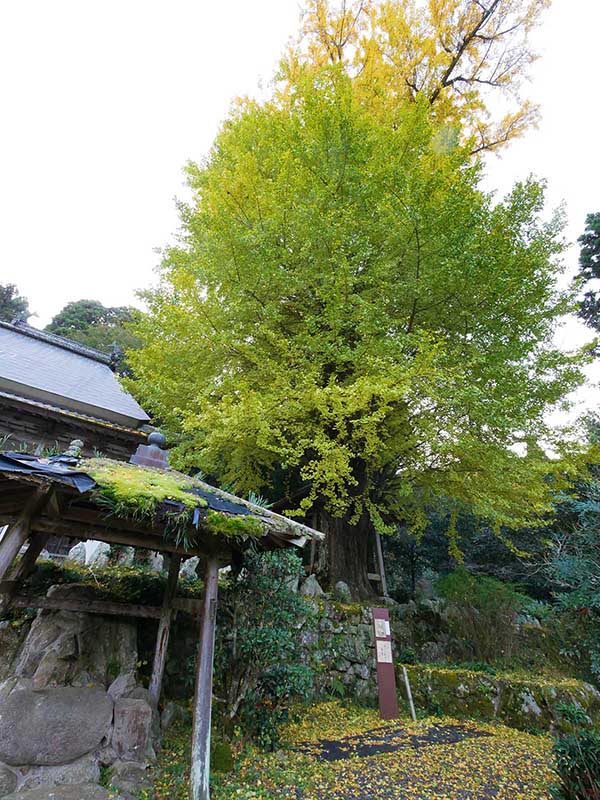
point(186, 604)
point(164, 628)
point(24, 568)
point(78, 530)
point(16, 536)
point(200, 772)
point(87, 606)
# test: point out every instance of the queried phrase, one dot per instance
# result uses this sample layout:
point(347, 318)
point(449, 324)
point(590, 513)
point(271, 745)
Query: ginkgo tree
point(461, 56)
point(350, 326)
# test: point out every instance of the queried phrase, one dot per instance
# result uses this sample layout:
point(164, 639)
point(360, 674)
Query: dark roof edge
point(58, 341)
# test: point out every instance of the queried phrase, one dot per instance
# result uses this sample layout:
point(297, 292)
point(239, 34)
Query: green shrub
point(258, 645)
point(482, 614)
point(577, 760)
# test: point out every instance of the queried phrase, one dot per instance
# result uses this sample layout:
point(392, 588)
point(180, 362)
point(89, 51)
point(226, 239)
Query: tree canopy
point(96, 325)
point(12, 304)
point(589, 270)
point(460, 56)
point(349, 321)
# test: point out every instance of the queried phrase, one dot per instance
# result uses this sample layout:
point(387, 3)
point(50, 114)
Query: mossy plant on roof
point(137, 492)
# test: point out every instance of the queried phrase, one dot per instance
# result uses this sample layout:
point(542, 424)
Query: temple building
point(54, 390)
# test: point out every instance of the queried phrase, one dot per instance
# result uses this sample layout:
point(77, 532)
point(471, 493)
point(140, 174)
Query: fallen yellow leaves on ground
point(491, 761)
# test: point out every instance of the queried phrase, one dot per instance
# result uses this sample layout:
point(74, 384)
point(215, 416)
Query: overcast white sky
point(103, 102)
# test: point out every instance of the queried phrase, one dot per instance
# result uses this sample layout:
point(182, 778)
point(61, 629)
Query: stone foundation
point(70, 705)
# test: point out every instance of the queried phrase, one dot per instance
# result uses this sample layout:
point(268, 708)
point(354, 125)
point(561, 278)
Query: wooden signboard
point(386, 676)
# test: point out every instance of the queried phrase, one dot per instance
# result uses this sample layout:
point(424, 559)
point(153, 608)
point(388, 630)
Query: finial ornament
point(152, 454)
point(74, 449)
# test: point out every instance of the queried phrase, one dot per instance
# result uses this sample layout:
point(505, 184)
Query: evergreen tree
point(589, 270)
point(12, 304)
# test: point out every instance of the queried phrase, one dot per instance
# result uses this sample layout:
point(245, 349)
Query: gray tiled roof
point(57, 372)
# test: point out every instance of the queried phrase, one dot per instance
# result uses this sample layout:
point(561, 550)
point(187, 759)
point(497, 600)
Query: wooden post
point(164, 627)
point(200, 773)
point(380, 564)
point(16, 536)
point(25, 567)
point(409, 694)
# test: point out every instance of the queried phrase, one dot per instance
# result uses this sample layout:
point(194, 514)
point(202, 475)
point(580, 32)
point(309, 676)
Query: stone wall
point(526, 703)
point(70, 705)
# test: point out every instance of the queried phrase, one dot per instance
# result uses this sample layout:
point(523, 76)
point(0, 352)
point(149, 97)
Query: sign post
point(386, 676)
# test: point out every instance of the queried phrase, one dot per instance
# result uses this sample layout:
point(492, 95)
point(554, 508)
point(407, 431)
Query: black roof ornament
point(152, 454)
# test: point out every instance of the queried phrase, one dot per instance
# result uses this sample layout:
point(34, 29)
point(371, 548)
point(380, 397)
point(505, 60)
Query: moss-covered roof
point(180, 502)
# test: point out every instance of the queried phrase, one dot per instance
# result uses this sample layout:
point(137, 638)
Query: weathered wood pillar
point(200, 773)
point(24, 568)
point(16, 536)
point(164, 628)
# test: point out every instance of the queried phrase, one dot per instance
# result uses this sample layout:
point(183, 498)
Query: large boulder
point(62, 645)
point(81, 791)
point(311, 588)
point(97, 554)
point(77, 553)
point(53, 726)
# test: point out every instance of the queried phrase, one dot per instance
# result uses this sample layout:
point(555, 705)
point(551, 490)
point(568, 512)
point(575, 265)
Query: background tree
point(457, 55)
point(95, 325)
point(347, 322)
point(589, 270)
point(12, 304)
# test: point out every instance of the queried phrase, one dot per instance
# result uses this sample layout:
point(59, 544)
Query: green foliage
point(482, 614)
point(127, 583)
point(257, 652)
point(348, 319)
point(239, 527)
point(12, 304)
point(97, 326)
point(221, 757)
point(577, 759)
point(589, 270)
point(573, 568)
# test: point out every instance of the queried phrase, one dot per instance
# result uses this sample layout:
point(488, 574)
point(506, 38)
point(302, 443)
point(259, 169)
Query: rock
point(406, 610)
point(63, 645)
point(82, 770)
point(10, 641)
point(132, 731)
point(311, 588)
point(362, 671)
point(141, 693)
point(156, 562)
point(172, 712)
point(122, 685)
point(8, 780)
point(77, 553)
point(188, 568)
point(292, 583)
point(129, 778)
point(81, 791)
point(53, 726)
point(97, 554)
point(342, 592)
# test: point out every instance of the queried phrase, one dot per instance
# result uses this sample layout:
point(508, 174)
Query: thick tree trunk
point(348, 554)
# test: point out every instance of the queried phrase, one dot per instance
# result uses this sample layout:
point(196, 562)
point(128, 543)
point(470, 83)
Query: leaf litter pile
point(341, 752)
